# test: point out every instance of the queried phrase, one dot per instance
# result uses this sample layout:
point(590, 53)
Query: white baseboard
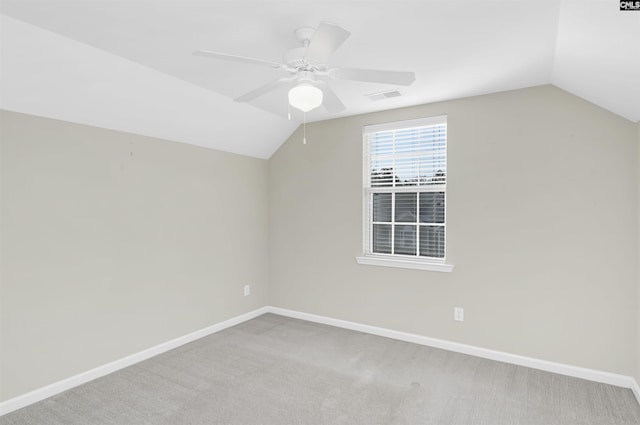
point(563, 369)
point(635, 387)
point(559, 368)
point(81, 378)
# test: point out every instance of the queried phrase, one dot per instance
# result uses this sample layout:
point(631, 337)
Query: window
point(405, 167)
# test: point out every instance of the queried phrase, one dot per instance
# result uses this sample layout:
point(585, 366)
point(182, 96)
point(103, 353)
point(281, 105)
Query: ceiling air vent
point(383, 95)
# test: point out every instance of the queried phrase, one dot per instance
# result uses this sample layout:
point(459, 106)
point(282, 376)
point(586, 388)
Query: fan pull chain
point(304, 128)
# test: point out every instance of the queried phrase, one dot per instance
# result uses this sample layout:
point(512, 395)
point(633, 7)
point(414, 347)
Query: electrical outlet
point(458, 314)
point(247, 290)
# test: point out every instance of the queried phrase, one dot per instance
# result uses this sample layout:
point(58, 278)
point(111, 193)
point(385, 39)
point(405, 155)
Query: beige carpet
point(276, 370)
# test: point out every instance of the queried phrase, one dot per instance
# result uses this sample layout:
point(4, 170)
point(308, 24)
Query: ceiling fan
point(307, 72)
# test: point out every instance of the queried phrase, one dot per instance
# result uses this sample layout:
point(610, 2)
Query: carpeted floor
point(277, 370)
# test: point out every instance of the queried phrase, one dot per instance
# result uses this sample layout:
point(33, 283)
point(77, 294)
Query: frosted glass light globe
point(305, 97)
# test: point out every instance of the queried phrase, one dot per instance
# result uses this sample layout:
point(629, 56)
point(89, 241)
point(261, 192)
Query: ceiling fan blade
point(402, 78)
point(263, 89)
point(330, 100)
point(235, 58)
point(326, 40)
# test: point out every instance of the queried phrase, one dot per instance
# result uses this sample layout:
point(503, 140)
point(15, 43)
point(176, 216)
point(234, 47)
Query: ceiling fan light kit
point(305, 97)
point(303, 64)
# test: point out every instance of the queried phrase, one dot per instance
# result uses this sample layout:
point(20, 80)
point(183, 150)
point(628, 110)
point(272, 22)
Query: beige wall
point(113, 243)
point(541, 201)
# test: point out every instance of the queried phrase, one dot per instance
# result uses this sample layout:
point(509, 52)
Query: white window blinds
point(405, 188)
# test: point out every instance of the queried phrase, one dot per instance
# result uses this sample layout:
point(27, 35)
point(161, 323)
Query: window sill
point(404, 263)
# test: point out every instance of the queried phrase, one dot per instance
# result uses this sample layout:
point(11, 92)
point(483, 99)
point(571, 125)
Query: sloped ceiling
point(128, 65)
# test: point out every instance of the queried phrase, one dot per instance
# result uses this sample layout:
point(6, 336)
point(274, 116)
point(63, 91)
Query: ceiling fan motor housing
point(295, 57)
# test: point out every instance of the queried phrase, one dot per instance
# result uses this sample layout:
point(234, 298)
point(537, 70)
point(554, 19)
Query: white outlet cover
point(458, 314)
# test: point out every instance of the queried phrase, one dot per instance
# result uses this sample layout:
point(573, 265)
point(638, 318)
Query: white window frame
point(396, 260)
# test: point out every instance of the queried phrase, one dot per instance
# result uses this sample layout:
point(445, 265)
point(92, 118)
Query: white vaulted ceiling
point(128, 65)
